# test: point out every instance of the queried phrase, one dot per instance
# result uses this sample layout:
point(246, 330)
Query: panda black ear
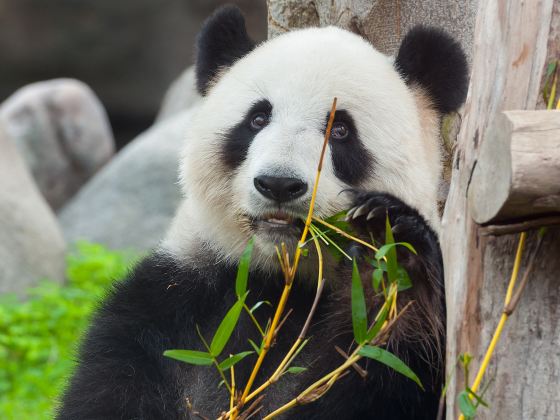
point(432, 59)
point(222, 40)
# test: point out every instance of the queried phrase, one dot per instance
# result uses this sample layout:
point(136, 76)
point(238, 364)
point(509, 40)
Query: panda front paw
point(368, 217)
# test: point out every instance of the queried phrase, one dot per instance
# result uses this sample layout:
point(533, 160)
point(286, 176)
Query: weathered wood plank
point(517, 174)
point(509, 57)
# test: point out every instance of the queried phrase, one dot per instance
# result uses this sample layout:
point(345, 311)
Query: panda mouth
point(279, 222)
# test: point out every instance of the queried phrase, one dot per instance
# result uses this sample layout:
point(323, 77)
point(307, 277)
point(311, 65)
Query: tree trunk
point(383, 22)
point(509, 58)
point(513, 41)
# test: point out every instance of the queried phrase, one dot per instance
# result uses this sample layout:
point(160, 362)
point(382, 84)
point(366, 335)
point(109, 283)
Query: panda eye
point(259, 120)
point(339, 131)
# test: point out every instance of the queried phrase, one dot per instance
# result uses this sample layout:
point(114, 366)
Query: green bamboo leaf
point(385, 248)
point(243, 270)
point(338, 221)
point(259, 304)
point(550, 69)
point(403, 279)
point(389, 359)
point(200, 358)
point(234, 359)
point(391, 253)
point(226, 327)
point(477, 397)
point(379, 264)
point(257, 348)
point(336, 217)
point(466, 406)
point(295, 370)
point(376, 327)
point(377, 277)
point(359, 312)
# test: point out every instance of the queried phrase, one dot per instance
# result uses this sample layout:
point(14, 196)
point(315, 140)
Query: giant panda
point(249, 162)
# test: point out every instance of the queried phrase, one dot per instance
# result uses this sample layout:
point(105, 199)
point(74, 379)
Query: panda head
point(253, 144)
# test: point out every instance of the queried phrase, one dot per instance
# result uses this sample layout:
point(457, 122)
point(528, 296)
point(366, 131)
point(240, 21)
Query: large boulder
point(31, 243)
point(131, 201)
point(62, 132)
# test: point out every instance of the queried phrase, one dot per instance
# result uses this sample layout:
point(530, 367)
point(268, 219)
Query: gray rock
point(31, 243)
point(62, 132)
point(130, 202)
point(181, 95)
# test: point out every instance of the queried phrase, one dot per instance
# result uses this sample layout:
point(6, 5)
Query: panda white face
point(253, 145)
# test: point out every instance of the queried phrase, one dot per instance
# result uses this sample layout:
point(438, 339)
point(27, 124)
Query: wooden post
point(513, 43)
point(517, 173)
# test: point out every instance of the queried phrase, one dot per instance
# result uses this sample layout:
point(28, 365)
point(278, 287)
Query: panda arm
point(421, 332)
point(121, 371)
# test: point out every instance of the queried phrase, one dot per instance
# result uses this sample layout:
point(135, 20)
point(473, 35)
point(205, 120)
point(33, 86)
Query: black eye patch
point(238, 139)
point(351, 160)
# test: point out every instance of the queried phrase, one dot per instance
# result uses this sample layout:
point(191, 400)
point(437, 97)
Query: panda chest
point(201, 385)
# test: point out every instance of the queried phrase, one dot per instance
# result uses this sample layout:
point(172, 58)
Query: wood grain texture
point(509, 58)
point(383, 22)
point(517, 174)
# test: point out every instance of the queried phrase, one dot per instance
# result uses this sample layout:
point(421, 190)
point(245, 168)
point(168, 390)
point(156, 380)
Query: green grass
point(39, 337)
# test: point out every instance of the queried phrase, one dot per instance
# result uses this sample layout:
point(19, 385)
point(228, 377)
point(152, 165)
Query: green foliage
point(359, 311)
point(466, 405)
point(234, 359)
point(226, 327)
point(243, 270)
point(389, 359)
point(381, 318)
point(295, 370)
point(193, 357)
point(223, 333)
point(38, 336)
point(386, 262)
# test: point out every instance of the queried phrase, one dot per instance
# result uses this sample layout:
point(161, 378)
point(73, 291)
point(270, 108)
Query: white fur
point(300, 73)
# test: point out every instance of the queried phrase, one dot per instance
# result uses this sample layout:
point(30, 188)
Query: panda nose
point(280, 189)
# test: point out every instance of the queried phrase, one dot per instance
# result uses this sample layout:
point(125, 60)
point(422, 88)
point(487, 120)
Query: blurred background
point(95, 96)
point(127, 51)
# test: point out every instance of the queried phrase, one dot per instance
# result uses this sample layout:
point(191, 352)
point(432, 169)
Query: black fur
point(122, 374)
point(238, 139)
point(432, 59)
point(352, 162)
point(222, 40)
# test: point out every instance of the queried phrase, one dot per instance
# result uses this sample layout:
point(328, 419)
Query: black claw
point(350, 213)
point(376, 212)
point(360, 211)
point(398, 228)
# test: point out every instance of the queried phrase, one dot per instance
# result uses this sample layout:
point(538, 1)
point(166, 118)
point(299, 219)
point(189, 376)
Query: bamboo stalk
point(503, 318)
point(290, 275)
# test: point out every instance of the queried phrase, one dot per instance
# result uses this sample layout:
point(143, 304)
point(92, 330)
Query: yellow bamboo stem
point(503, 318)
point(347, 235)
point(293, 269)
point(280, 369)
point(553, 89)
point(232, 397)
point(349, 362)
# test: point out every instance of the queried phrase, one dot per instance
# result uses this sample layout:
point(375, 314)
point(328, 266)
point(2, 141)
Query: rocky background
point(94, 98)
